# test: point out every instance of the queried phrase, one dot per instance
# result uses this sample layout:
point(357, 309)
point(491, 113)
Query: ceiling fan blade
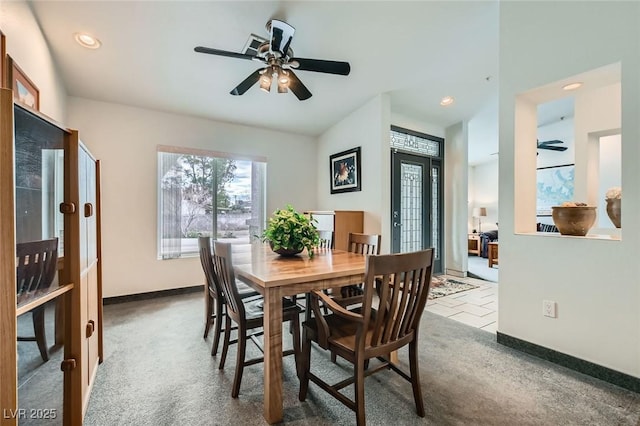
point(219, 52)
point(281, 36)
point(555, 141)
point(319, 65)
point(247, 83)
point(553, 148)
point(296, 86)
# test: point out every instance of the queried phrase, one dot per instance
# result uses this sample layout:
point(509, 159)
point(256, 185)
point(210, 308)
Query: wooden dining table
point(276, 276)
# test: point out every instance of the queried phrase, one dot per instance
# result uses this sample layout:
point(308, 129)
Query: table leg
point(273, 355)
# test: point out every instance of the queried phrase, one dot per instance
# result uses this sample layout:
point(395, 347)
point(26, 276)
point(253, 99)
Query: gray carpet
point(478, 267)
point(158, 371)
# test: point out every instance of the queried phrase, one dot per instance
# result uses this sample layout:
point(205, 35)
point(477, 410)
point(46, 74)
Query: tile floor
point(477, 307)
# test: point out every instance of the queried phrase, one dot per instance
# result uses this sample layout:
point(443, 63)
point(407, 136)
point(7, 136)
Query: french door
point(416, 204)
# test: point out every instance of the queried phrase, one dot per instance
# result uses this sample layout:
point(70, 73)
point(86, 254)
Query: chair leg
point(242, 345)
point(220, 314)
point(333, 357)
point(307, 307)
point(415, 377)
point(295, 323)
point(208, 314)
point(294, 299)
point(305, 364)
point(38, 328)
point(227, 338)
point(359, 391)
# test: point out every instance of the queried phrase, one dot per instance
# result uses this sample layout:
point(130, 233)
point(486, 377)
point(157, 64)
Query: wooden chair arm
point(321, 323)
point(338, 309)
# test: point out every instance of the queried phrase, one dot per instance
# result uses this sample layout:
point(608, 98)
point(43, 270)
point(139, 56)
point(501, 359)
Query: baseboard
point(585, 367)
point(152, 295)
point(453, 272)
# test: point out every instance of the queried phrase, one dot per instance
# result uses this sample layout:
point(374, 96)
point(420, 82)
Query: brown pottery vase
point(286, 252)
point(574, 220)
point(613, 210)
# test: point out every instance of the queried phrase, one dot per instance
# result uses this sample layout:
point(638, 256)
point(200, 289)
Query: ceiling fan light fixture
point(282, 88)
point(87, 40)
point(277, 56)
point(283, 78)
point(572, 86)
point(447, 100)
point(265, 82)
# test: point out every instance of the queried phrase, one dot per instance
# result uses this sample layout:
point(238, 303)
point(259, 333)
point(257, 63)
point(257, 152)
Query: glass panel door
point(415, 199)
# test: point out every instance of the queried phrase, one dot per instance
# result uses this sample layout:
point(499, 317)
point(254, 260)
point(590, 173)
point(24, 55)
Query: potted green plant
point(289, 232)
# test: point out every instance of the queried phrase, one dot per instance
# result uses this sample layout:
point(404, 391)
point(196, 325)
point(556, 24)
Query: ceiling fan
point(550, 145)
point(277, 55)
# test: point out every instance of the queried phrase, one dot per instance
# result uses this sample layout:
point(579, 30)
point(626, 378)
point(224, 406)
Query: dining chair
point(248, 315)
point(364, 244)
point(400, 283)
point(350, 295)
point(215, 303)
point(37, 263)
point(326, 239)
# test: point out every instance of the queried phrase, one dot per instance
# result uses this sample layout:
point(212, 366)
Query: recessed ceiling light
point(87, 40)
point(446, 101)
point(572, 86)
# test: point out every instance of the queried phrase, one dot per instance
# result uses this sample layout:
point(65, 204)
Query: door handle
point(91, 327)
point(397, 224)
point(67, 208)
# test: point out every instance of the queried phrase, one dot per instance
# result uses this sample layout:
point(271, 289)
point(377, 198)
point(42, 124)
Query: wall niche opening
point(568, 148)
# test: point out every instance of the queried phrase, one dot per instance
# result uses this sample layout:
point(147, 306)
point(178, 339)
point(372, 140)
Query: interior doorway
point(416, 193)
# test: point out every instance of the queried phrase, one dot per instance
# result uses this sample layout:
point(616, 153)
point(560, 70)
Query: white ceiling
point(417, 52)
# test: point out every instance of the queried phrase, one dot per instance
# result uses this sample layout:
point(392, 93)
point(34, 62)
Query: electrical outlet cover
point(549, 308)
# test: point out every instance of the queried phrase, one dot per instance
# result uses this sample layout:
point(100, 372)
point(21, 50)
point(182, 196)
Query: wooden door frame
point(76, 391)
point(8, 296)
point(432, 160)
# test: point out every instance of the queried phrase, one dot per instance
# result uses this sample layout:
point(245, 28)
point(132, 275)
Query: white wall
point(483, 133)
point(595, 282)
point(610, 174)
point(367, 127)
point(125, 138)
point(456, 206)
point(28, 48)
point(483, 192)
point(421, 126)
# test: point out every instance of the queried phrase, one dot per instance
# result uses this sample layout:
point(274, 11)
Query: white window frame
point(258, 202)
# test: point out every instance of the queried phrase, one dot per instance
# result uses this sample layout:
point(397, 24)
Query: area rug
point(441, 287)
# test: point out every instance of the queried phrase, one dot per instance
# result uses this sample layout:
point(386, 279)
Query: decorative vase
point(574, 220)
point(613, 210)
point(286, 252)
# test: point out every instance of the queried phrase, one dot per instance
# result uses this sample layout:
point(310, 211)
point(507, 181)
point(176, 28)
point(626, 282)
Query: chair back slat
point(326, 239)
point(417, 277)
point(223, 263)
point(407, 298)
point(364, 244)
point(36, 267)
point(402, 288)
point(206, 259)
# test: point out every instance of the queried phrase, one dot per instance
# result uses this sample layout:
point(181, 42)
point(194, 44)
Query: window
point(204, 193)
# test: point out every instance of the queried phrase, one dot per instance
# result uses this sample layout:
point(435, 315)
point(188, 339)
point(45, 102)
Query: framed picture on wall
point(344, 170)
point(554, 186)
point(24, 91)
